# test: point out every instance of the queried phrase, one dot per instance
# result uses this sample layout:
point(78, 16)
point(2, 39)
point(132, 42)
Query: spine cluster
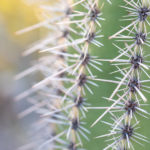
point(66, 66)
point(129, 96)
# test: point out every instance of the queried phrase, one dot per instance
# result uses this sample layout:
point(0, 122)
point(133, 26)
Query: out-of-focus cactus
point(66, 66)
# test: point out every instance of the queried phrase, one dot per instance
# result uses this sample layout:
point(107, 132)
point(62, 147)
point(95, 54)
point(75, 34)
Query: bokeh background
point(15, 15)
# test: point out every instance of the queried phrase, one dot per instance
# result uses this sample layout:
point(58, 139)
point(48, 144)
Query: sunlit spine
point(131, 63)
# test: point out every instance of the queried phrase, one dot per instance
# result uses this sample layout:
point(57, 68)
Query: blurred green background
point(15, 15)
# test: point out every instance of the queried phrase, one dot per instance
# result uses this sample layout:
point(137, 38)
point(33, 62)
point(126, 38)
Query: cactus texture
point(70, 72)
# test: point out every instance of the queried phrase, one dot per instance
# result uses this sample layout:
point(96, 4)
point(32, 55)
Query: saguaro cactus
point(67, 65)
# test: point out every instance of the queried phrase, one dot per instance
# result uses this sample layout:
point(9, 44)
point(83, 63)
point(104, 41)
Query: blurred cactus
point(66, 69)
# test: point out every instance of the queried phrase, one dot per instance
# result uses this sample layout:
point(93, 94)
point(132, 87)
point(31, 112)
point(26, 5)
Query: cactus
point(68, 67)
